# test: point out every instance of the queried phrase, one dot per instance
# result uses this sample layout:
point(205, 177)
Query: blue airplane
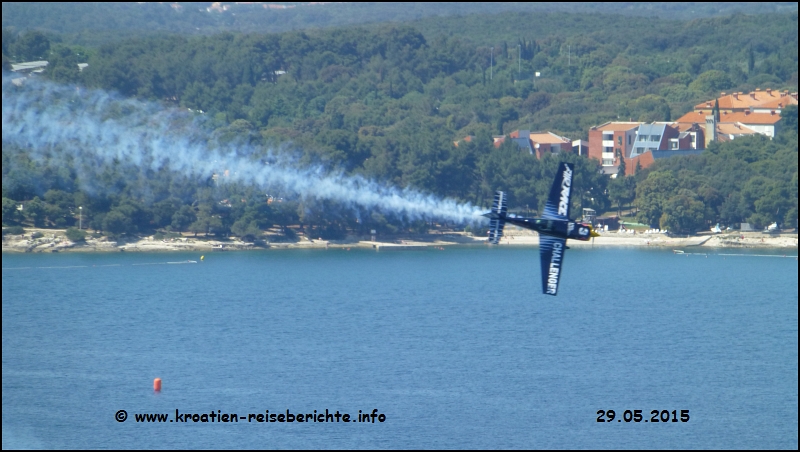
point(554, 227)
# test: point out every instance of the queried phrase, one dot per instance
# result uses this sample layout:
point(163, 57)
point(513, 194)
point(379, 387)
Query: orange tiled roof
point(694, 116)
point(548, 138)
point(743, 101)
point(734, 129)
point(732, 101)
point(618, 126)
point(739, 100)
point(752, 118)
point(778, 102)
point(467, 139)
point(684, 126)
point(745, 118)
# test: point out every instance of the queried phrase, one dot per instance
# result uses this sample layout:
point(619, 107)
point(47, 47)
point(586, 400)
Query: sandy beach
point(54, 241)
point(730, 240)
point(521, 237)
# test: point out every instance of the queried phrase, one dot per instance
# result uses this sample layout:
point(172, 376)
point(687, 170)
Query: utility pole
point(519, 60)
point(80, 217)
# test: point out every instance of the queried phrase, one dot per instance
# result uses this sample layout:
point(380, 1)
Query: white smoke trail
point(92, 125)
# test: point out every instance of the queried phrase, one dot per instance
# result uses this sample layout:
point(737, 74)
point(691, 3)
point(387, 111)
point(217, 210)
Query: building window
point(608, 162)
point(619, 140)
point(655, 138)
point(629, 140)
point(608, 136)
point(642, 137)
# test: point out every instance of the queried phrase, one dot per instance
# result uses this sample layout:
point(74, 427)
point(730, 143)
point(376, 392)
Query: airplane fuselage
point(564, 229)
point(554, 226)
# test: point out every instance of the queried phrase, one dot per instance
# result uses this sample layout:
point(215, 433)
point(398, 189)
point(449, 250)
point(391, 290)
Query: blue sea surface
point(457, 348)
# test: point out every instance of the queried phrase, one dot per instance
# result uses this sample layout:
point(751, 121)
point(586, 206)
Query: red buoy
point(157, 384)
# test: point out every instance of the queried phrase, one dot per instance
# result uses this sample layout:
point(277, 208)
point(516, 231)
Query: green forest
point(387, 101)
point(99, 23)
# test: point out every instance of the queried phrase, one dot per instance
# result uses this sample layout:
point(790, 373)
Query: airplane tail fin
point(497, 217)
point(558, 203)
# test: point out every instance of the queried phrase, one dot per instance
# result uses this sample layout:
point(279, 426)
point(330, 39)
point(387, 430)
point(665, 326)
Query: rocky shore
point(54, 241)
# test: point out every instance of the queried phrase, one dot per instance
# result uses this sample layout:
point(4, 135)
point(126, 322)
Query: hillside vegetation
point(98, 23)
point(388, 101)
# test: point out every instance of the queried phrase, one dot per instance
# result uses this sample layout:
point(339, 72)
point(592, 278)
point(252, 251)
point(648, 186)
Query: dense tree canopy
point(388, 101)
point(751, 179)
point(93, 23)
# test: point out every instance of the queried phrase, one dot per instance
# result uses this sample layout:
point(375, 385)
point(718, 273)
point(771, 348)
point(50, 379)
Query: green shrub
point(166, 235)
point(476, 231)
point(76, 235)
point(37, 235)
point(14, 230)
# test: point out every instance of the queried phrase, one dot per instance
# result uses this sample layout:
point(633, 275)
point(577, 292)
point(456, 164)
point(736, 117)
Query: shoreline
point(745, 240)
point(55, 241)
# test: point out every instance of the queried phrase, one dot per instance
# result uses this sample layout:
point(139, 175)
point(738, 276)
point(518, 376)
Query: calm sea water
point(457, 348)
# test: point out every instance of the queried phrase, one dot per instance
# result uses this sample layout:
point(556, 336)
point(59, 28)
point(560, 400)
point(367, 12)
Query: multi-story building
point(580, 147)
point(544, 142)
point(738, 114)
point(536, 143)
point(640, 144)
point(606, 141)
point(777, 104)
point(763, 123)
point(726, 118)
point(652, 137)
point(691, 136)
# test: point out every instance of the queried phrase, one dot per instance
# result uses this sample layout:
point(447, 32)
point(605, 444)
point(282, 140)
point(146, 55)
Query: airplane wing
point(497, 218)
point(551, 252)
point(558, 205)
